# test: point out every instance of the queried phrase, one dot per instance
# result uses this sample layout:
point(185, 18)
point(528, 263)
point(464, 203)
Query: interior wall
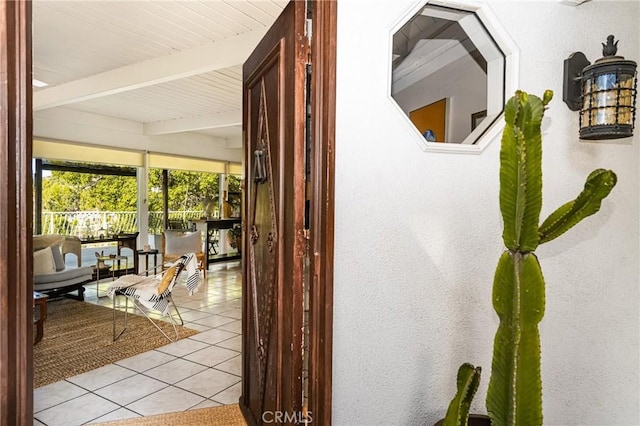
point(418, 236)
point(463, 83)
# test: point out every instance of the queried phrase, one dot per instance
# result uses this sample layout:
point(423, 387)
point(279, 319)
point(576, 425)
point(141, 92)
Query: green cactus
point(514, 396)
point(515, 387)
point(468, 381)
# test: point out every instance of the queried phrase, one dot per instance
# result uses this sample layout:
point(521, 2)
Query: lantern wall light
point(604, 92)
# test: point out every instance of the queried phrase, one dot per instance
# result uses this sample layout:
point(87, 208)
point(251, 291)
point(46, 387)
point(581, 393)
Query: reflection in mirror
point(448, 74)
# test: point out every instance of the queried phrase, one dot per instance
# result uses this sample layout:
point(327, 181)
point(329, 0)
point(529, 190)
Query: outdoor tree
point(71, 191)
point(186, 189)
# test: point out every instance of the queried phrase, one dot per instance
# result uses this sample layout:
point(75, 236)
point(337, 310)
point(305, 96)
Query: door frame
point(16, 281)
point(321, 244)
point(16, 206)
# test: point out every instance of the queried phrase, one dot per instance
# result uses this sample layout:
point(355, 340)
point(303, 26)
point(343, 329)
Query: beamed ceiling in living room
point(143, 73)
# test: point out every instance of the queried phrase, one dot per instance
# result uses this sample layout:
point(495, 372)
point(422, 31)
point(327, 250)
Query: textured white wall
point(418, 236)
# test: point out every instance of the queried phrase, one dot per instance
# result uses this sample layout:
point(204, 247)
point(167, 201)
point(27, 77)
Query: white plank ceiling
point(171, 66)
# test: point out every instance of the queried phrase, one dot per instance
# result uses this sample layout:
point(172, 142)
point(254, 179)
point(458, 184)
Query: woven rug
point(78, 337)
point(226, 415)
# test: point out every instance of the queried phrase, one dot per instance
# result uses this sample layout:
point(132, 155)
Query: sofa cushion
point(72, 274)
point(43, 262)
point(70, 279)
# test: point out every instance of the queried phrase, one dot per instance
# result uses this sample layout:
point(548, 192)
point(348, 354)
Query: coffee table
point(40, 301)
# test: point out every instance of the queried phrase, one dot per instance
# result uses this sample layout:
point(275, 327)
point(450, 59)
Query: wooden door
point(274, 112)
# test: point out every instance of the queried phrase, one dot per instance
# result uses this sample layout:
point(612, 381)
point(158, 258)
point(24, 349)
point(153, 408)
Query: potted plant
point(234, 236)
point(514, 396)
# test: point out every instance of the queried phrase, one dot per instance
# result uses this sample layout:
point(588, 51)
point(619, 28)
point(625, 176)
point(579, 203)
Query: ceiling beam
point(198, 60)
point(98, 121)
point(88, 128)
point(428, 57)
point(190, 124)
point(234, 143)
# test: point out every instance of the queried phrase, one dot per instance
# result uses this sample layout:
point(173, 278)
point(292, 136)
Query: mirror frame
point(511, 74)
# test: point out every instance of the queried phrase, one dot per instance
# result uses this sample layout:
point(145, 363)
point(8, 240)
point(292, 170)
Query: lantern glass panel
point(602, 116)
point(626, 97)
point(626, 81)
point(605, 99)
point(606, 82)
point(625, 115)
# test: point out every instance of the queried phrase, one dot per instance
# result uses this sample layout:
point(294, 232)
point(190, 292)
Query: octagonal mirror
point(449, 73)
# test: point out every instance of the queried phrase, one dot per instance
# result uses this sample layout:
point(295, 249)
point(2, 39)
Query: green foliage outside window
point(72, 191)
point(186, 189)
point(68, 191)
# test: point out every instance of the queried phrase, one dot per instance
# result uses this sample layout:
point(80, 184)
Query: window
point(452, 69)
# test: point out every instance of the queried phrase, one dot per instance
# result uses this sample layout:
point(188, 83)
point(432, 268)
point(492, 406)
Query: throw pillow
point(166, 279)
point(58, 259)
point(178, 243)
point(43, 262)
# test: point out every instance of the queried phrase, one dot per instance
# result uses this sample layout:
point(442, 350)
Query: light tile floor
point(201, 371)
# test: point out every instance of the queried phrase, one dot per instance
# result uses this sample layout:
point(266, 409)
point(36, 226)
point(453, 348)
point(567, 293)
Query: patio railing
point(92, 222)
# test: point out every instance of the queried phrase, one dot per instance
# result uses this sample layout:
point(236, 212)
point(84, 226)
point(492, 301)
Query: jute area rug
point(78, 337)
point(226, 415)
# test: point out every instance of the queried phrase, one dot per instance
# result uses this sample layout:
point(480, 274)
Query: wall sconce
point(604, 93)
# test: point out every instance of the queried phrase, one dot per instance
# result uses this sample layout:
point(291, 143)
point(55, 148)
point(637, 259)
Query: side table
point(40, 301)
point(146, 254)
point(113, 259)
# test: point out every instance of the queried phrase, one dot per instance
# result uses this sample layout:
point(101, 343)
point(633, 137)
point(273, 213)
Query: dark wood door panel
point(263, 249)
point(273, 124)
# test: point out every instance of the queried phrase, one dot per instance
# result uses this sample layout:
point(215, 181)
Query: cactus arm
point(521, 171)
point(467, 383)
point(514, 396)
point(509, 177)
point(598, 185)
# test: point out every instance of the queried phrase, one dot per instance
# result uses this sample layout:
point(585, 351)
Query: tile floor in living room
point(203, 370)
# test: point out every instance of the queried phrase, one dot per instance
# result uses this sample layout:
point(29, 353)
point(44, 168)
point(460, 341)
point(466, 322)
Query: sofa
point(50, 274)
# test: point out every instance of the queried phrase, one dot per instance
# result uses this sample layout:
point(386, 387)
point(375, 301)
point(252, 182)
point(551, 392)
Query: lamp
point(604, 93)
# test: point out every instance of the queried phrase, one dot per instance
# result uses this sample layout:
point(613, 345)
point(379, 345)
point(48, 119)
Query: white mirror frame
point(504, 42)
